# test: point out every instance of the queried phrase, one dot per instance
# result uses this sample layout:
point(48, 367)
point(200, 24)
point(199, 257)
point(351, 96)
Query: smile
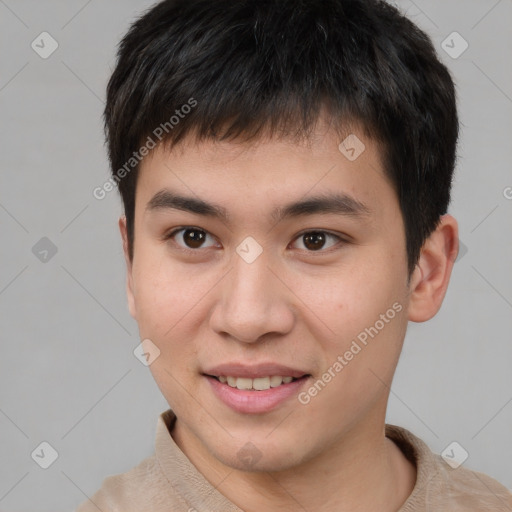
point(258, 384)
point(257, 395)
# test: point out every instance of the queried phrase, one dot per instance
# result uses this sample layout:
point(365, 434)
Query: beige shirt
point(168, 482)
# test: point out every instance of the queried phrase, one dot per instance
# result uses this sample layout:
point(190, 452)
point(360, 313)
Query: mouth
point(258, 383)
point(255, 389)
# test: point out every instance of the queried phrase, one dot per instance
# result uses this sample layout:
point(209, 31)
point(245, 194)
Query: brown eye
point(316, 240)
point(193, 238)
point(189, 238)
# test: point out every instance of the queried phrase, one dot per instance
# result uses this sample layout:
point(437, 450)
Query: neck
point(364, 471)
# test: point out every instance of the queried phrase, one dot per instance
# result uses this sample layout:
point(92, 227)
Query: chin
point(258, 454)
point(249, 460)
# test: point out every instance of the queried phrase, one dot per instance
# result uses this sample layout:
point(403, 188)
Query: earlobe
point(431, 276)
point(129, 277)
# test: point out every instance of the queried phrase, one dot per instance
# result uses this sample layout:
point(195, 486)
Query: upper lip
point(254, 371)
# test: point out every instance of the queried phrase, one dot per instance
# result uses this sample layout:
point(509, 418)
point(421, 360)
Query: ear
point(431, 276)
point(129, 278)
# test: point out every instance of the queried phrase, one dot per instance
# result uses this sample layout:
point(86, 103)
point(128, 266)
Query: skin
point(292, 305)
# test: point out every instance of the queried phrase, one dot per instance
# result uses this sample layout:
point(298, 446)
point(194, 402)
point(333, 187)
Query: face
point(263, 264)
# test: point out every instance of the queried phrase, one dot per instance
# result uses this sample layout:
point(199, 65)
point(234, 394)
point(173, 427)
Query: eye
point(192, 238)
point(315, 240)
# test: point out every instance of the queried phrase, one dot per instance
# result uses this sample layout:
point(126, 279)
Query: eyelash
point(188, 250)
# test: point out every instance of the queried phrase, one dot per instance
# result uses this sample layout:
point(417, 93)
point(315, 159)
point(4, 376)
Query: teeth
point(242, 383)
point(275, 381)
point(261, 383)
point(258, 384)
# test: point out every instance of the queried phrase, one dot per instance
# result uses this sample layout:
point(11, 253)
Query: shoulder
point(464, 489)
point(444, 488)
point(143, 487)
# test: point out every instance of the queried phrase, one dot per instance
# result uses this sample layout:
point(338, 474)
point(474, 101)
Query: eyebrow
point(340, 204)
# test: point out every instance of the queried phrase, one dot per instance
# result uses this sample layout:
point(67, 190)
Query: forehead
point(229, 172)
point(344, 147)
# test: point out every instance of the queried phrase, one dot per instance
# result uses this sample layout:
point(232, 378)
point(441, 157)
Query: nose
point(252, 302)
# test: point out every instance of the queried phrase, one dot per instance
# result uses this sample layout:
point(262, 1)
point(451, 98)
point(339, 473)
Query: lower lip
point(255, 402)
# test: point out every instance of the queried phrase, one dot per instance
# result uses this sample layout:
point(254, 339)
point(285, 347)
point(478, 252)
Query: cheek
point(168, 303)
point(358, 363)
point(363, 308)
point(351, 299)
point(172, 302)
point(164, 294)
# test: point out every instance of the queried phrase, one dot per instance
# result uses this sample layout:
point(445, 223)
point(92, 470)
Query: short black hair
point(247, 67)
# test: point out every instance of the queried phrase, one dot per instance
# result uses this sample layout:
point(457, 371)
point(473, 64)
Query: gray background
point(68, 375)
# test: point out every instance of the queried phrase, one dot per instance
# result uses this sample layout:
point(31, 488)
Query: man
point(285, 169)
